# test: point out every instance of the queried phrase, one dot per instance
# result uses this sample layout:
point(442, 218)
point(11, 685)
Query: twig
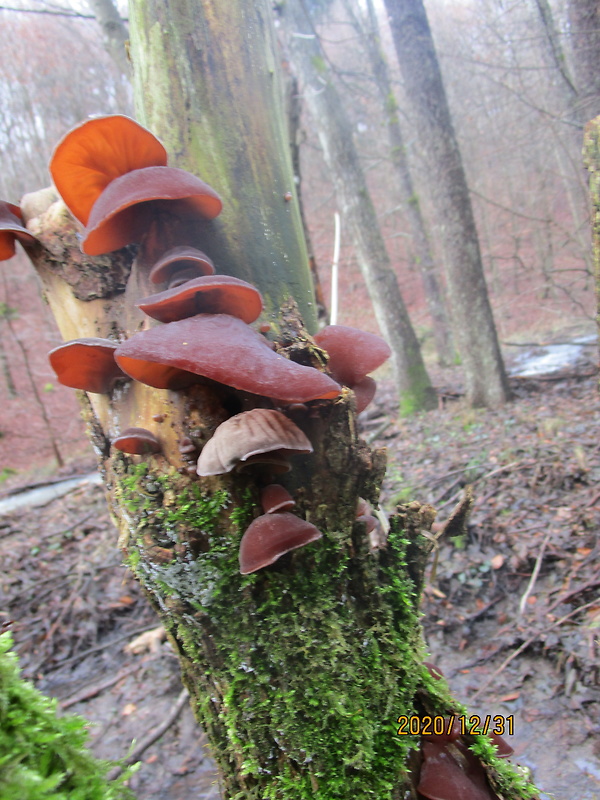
point(92, 691)
point(526, 644)
point(534, 574)
point(97, 648)
point(335, 271)
point(152, 736)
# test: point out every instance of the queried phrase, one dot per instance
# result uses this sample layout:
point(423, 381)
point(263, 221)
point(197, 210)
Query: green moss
point(44, 756)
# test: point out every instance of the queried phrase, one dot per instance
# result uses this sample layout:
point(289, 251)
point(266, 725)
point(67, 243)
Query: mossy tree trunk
point(299, 671)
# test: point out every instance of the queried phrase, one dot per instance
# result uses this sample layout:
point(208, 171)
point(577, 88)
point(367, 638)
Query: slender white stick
point(335, 271)
point(534, 575)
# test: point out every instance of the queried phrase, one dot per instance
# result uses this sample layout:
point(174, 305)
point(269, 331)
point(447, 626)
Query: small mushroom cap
point(96, 152)
point(125, 209)
point(272, 535)
point(275, 498)
point(178, 259)
point(137, 441)
point(249, 435)
point(352, 353)
point(443, 778)
point(12, 228)
point(364, 392)
point(369, 520)
point(224, 349)
point(87, 364)
point(211, 294)
point(434, 671)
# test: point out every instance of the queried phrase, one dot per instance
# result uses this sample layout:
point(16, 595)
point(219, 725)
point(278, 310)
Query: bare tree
point(584, 19)
point(472, 318)
point(335, 135)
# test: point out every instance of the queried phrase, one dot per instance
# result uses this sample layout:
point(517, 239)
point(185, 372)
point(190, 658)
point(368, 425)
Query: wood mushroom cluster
point(113, 176)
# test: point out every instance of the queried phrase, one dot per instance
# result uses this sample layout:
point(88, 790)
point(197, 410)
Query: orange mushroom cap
point(87, 364)
point(137, 441)
point(224, 349)
point(125, 209)
point(11, 228)
point(352, 353)
point(97, 151)
point(272, 535)
point(181, 259)
point(211, 294)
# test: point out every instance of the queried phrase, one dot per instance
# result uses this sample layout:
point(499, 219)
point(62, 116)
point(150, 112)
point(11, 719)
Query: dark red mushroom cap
point(87, 364)
point(364, 392)
point(96, 152)
point(179, 261)
point(352, 353)
point(224, 349)
point(443, 777)
point(275, 498)
point(211, 294)
point(451, 731)
point(434, 671)
point(272, 535)
point(137, 441)
point(251, 435)
point(11, 229)
point(125, 209)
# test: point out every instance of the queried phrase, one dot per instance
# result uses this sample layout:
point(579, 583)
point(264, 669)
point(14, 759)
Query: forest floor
point(511, 609)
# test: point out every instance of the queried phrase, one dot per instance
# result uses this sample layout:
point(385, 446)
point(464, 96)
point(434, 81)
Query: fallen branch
point(152, 736)
point(534, 574)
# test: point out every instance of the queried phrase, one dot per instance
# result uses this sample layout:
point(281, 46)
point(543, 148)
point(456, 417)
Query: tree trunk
point(591, 155)
point(298, 671)
point(335, 134)
point(411, 207)
point(474, 330)
point(584, 23)
point(115, 32)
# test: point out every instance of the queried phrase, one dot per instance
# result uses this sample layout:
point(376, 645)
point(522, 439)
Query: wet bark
point(472, 320)
point(335, 135)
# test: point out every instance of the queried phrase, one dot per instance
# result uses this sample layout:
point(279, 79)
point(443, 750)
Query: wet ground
point(512, 611)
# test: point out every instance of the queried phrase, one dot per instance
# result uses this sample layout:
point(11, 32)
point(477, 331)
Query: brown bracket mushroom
point(275, 498)
point(94, 153)
point(180, 264)
point(251, 437)
point(211, 294)
point(452, 774)
point(137, 441)
point(11, 229)
point(126, 208)
point(224, 349)
point(272, 535)
point(87, 364)
point(352, 355)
